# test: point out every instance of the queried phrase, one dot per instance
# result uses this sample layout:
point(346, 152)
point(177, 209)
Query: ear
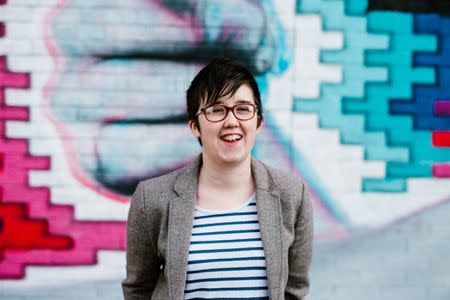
point(194, 128)
point(259, 125)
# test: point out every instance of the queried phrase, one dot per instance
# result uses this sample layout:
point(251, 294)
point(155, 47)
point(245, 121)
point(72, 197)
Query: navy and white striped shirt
point(226, 258)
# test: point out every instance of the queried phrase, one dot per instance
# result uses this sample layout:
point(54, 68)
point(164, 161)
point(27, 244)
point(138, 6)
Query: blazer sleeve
point(142, 263)
point(300, 252)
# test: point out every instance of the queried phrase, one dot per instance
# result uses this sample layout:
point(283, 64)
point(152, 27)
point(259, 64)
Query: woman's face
point(229, 141)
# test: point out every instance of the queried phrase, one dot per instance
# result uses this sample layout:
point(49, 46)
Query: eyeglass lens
point(219, 112)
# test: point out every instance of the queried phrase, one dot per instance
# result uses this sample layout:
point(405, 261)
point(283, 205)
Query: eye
point(244, 108)
point(215, 110)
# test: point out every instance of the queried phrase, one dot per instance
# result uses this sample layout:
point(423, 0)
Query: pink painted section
point(442, 107)
point(441, 170)
point(2, 29)
point(14, 113)
point(87, 236)
point(10, 79)
point(88, 239)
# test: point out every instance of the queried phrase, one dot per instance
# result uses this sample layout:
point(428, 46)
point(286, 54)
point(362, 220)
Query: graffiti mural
point(356, 101)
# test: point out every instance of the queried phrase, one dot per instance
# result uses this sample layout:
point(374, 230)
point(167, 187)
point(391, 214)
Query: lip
point(113, 133)
point(231, 141)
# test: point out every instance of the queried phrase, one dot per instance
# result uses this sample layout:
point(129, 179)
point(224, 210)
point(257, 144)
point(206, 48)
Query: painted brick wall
point(92, 101)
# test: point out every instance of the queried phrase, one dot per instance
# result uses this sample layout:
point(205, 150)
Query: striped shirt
point(226, 258)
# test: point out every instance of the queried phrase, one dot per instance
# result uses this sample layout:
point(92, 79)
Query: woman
point(226, 226)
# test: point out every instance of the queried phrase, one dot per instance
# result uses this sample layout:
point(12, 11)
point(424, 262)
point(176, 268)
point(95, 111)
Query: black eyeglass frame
point(228, 109)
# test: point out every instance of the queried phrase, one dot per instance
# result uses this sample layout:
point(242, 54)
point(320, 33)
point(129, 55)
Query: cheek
point(252, 132)
point(208, 132)
point(256, 127)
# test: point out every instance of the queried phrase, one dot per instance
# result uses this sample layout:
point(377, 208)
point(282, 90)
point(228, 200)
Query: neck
point(223, 177)
point(223, 187)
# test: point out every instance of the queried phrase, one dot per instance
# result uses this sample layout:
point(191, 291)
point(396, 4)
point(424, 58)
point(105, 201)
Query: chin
point(233, 159)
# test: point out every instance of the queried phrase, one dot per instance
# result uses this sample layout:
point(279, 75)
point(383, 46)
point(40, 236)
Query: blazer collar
point(269, 216)
point(181, 218)
point(187, 180)
point(182, 215)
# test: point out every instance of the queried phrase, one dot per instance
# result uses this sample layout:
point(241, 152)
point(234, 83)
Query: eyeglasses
point(218, 112)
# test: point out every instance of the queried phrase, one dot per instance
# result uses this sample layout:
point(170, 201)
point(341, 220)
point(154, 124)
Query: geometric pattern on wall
point(32, 230)
point(384, 60)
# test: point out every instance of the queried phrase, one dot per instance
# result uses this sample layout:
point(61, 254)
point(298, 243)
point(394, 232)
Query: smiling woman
point(226, 225)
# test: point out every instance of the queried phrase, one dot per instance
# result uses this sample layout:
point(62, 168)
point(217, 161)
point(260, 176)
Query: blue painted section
point(394, 66)
point(283, 49)
point(421, 107)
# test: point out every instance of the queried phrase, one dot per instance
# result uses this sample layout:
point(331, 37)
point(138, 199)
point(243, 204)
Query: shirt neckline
point(214, 212)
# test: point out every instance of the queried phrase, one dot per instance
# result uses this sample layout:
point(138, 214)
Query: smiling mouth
point(231, 137)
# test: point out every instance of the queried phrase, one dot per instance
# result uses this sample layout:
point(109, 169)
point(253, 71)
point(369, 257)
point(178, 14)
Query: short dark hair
point(220, 77)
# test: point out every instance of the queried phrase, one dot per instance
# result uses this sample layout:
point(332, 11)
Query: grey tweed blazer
point(160, 222)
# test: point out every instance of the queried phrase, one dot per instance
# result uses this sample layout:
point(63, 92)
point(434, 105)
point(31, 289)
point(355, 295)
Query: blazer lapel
point(268, 206)
point(181, 217)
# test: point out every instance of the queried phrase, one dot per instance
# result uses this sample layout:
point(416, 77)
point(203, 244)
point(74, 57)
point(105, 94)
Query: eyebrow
point(237, 102)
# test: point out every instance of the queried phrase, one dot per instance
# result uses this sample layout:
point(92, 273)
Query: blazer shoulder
point(159, 182)
point(285, 180)
point(160, 185)
point(292, 189)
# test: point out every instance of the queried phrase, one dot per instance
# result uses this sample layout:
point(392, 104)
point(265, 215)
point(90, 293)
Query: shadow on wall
point(408, 260)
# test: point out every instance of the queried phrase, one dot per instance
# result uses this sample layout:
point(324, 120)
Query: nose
point(231, 120)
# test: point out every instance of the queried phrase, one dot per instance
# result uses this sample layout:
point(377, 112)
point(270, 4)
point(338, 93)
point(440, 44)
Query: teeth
point(231, 138)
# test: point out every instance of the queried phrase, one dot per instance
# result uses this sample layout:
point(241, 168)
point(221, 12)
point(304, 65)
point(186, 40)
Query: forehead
point(244, 94)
